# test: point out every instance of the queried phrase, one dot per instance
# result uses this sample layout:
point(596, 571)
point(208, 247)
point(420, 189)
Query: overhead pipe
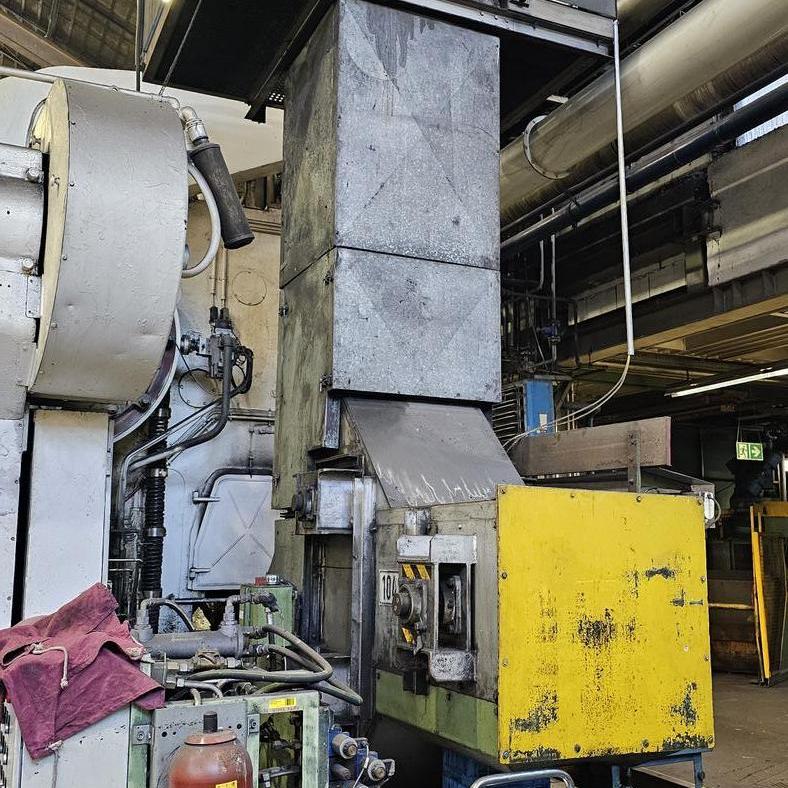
point(706, 58)
point(662, 162)
point(634, 15)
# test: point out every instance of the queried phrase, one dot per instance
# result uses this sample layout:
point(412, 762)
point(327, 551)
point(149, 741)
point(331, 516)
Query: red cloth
point(100, 672)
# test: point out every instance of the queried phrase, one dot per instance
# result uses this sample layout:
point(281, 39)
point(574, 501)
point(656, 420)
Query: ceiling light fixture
point(767, 373)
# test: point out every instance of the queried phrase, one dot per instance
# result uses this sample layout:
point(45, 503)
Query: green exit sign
point(749, 451)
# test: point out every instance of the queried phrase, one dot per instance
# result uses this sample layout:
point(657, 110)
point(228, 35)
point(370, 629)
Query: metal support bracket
point(141, 734)
point(698, 774)
point(634, 477)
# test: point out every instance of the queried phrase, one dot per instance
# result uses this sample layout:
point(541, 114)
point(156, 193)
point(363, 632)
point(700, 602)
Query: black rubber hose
point(286, 677)
point(295, 641)
point(331, 687)
point(172, 606)
point(208, 159)
point(154, 531)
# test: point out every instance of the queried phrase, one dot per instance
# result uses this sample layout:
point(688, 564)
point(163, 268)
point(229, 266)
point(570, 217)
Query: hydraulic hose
point(285, 677)
point(208, 159)
point(308, 656)
point(161, 602)
point(205, 686)
point(224, 413)
point(331, 687)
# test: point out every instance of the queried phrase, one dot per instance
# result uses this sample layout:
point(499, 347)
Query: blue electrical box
point(538, 406)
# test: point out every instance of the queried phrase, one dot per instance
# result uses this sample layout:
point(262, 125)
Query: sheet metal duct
point(709, 55)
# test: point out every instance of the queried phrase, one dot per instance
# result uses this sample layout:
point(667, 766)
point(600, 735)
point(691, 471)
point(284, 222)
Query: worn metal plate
point(69, 513)
point(417, 137)
point(306, 332)
point(426, 453)
point(415, 328)
point(17, 349)
point(750, 187)
point(12, 434)
point(110, 282)
point(309, 150)
point(235, 539)
point(603, 625)
point(379, 154)
point(358, 321)
point(96, 757)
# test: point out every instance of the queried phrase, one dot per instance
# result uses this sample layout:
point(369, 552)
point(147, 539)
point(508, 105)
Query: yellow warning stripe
point(411, 570)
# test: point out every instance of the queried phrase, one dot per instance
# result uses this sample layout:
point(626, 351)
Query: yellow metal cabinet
point(603, 625)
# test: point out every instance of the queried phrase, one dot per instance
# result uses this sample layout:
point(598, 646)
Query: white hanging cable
point(587, 410)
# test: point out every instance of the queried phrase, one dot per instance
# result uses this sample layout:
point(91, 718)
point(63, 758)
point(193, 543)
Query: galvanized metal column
point(390, 254)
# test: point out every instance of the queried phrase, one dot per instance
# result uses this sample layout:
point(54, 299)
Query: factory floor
point(752, 737)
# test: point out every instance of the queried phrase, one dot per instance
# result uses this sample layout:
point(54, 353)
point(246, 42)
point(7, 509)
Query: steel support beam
point(31, 46)
point(679, 315)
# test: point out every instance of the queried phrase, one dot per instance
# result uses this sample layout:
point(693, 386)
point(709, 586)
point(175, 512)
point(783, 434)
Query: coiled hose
point(318, 673)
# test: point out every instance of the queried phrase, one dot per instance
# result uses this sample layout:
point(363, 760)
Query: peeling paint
point(685, 710)
point(661, 571)
point(544, 714)
point(597, 633)
point(634, 579)
point(539, 755)
point(686, 741)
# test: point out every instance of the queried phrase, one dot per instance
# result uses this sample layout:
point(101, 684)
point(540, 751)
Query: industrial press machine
point(521, 626)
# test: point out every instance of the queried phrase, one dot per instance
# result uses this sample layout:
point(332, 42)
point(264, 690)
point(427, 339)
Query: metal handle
point(514, 778)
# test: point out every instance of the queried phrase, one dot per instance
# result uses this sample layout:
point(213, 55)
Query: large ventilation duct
point(706, 57)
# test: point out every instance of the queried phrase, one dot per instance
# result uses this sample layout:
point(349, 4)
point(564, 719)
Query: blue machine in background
point(525, 406)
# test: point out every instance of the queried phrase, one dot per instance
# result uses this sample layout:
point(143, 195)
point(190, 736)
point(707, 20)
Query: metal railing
point(516, 778)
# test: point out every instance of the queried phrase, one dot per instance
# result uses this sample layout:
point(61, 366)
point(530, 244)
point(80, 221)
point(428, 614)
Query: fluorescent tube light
point(765, 374)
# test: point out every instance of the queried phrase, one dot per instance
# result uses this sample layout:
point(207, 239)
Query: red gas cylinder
point(211, 759)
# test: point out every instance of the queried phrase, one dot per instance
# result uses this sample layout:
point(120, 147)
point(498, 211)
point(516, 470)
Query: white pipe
point(622, 194)
point(706, 57)
point(216, 227)
point(50, 79)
